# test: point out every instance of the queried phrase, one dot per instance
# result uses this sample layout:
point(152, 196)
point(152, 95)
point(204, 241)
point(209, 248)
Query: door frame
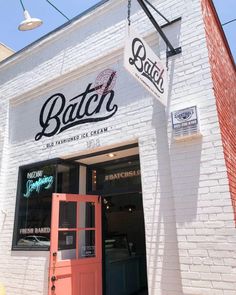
point(54, 263)
point(104, 282)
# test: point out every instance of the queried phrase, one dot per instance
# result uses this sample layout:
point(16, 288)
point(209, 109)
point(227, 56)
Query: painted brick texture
point(224, 82)
point(190, 233)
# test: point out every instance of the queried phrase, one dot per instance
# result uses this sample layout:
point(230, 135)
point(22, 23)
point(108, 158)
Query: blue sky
point(227, 11)
point(11, 15)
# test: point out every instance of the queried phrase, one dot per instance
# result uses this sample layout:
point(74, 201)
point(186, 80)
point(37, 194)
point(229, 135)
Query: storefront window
point(36, 185)
point(66, 180)
point(120, 176)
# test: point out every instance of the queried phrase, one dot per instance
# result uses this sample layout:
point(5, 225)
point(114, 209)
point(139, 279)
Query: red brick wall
point(224, 83)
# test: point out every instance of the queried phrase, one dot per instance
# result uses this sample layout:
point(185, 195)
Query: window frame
point(21, 169)
point(116, 190)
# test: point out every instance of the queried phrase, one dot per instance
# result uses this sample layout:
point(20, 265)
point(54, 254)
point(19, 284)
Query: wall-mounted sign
point(84, 100)
point(94, 104)
point(185, 123)
point(92, 143)
point(184, 117)
point(145, 66)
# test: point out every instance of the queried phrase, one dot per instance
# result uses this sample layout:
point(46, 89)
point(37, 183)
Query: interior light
point(111, 155)
point(130, 208)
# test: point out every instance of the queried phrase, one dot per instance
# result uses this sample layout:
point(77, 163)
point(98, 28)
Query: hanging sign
point(145, 66)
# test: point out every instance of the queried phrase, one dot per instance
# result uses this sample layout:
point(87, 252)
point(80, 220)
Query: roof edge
point(7, 47)
point(74, 19)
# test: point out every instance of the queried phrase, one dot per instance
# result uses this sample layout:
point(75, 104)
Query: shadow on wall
point(177, 186)
point(185, 160)
point(28, 260)
point(3, 163)
point(1, 149)
point(3, 219)
point(165, 251)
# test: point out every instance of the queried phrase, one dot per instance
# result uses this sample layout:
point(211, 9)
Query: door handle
point(53, 278)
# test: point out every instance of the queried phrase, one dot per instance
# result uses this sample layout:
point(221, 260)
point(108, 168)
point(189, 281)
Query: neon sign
point(42, 183)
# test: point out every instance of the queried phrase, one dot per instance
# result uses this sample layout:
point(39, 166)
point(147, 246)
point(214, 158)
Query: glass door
point(75, 252)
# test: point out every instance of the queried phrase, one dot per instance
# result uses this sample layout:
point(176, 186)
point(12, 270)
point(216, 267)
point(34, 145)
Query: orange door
point(76, 249)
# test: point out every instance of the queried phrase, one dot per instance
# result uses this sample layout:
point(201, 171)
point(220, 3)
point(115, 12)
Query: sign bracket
point(172, 51)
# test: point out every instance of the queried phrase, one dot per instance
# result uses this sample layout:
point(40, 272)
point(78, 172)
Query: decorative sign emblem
point(107, 79)
point(59, 114)
point(145, 66)
point(185, 117)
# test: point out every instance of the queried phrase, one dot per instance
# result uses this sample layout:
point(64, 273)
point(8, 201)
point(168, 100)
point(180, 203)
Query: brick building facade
point(188, 187)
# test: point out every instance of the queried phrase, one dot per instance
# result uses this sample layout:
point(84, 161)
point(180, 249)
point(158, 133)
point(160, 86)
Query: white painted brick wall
point(190, 232)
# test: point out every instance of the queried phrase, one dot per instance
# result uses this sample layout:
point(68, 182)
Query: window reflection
point(66, 240)
point(86, 243)
point(86, 215)
point(67, 214)
point(67, 245)
point(37, 182)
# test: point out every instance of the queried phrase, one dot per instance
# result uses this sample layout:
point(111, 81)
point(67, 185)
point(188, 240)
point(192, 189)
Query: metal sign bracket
point(172, 51)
